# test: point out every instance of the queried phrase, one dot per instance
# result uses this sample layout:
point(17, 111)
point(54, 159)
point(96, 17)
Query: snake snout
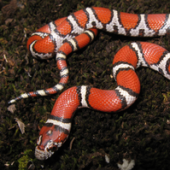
point(42, 154)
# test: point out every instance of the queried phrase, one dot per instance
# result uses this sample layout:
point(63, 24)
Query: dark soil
point(141, 132)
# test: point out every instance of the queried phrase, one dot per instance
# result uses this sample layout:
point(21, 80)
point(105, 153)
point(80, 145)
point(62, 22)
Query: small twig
point(71, 143)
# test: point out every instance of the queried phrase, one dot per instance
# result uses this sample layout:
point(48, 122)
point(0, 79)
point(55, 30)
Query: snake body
point(68, 34)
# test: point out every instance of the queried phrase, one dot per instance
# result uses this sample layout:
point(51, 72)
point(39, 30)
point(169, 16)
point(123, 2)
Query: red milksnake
point(71, 33)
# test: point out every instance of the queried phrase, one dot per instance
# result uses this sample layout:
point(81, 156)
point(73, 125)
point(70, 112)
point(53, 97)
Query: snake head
point(50, 139)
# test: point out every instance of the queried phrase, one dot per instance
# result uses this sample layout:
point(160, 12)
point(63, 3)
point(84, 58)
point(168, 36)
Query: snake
point(63, 36)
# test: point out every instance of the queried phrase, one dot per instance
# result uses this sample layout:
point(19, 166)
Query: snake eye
point(49, 132)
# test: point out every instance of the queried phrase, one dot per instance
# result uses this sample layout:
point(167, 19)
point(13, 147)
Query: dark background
point(140, 132)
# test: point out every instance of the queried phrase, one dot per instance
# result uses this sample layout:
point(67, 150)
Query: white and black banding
point(162, 70)
point(58, 34)
point(88, 12)
point(123, 93)
point(142, 29)
point(90, 34)
point(156, 33)
point(167, 65)
point(41, 34)
point(76, 29)
point(60, 56)
point(88, 17)
point(57, 128)
point(53, 39)
point(122, 98)
point(35, 53)
point(64, 72)
point(14, 100)
point(166, 27)
point(121, 66)
point(163, 65)
point(126, 95)
point(61, 119)
point(167, 19)
point(129, 91)
point(52, 26)
point(93, 21)
point(60, 124)
point(23, 96)
point(83, 95)
point(127, 32)
point(115, 26)
point(45, 92)
point(37, 93)
point(75, 20)
point(57, 88)
point(137, 48)
point(73, 43)
point(57, 38)
point(147, 25)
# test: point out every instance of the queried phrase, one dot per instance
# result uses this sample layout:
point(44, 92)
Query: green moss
point(23, 161)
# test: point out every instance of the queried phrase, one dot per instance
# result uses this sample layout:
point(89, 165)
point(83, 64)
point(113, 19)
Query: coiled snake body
point(71, 33)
